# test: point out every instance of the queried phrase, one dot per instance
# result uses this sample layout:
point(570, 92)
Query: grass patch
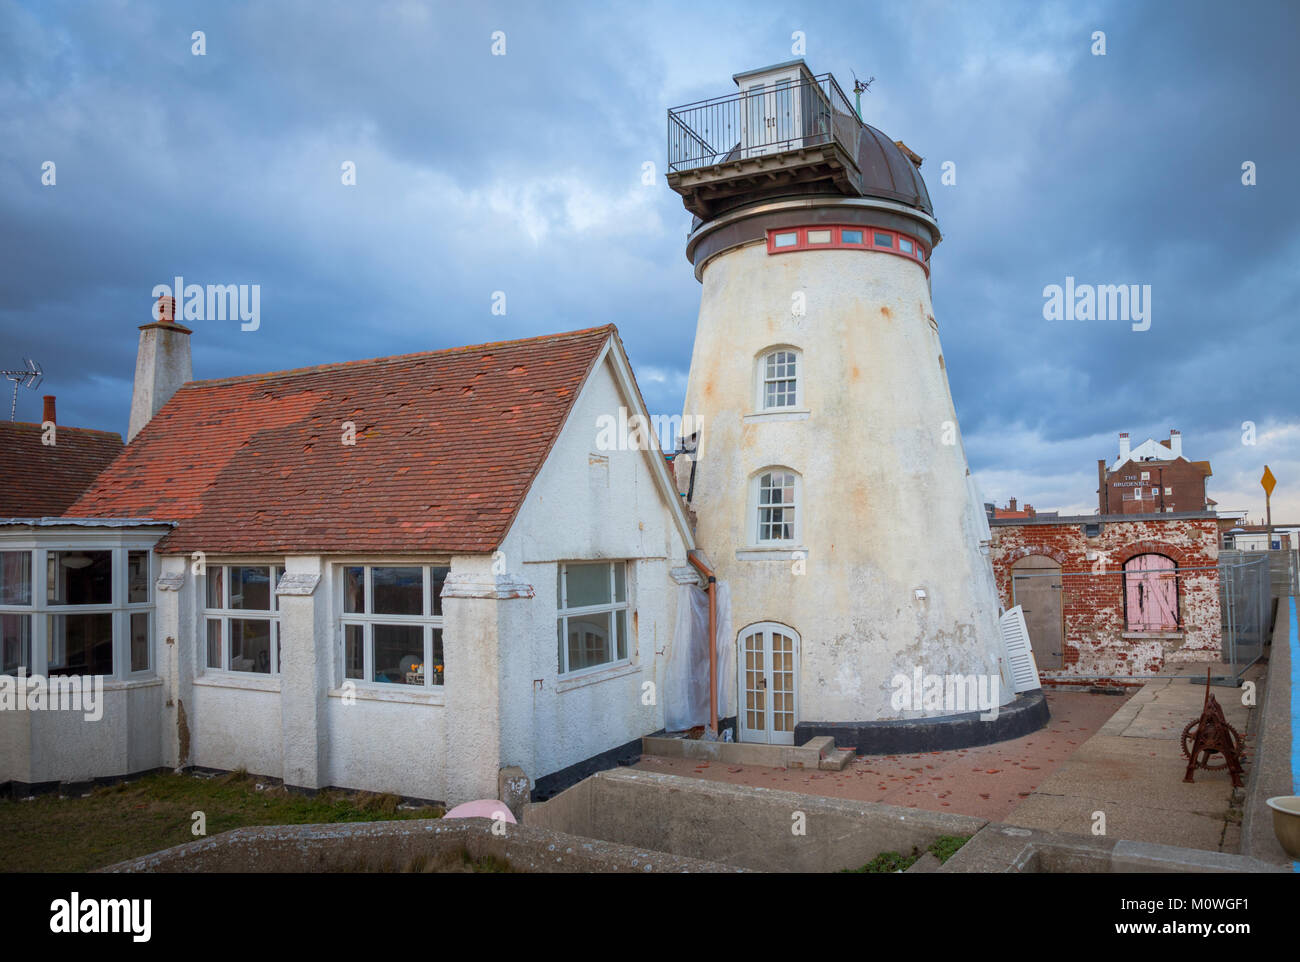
point(121, 821)
point(942, 848)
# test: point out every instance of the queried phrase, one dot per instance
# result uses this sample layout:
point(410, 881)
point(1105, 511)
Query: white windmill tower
point(831, 490)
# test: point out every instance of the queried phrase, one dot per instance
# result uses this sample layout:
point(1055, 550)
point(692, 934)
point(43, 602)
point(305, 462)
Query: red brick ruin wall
point(1096, 640)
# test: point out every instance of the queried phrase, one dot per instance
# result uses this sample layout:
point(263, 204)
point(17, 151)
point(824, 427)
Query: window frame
point(563, 612)
point(918, 255)
point(761, 380)
point(40, 612)
point(226, 614)
point(754, 527)
point(368, 619)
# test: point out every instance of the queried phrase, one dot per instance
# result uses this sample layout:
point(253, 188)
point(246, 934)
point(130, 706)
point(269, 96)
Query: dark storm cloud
point(522, 174)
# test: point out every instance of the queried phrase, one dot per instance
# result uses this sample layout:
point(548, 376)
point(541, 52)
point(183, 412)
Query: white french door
point(770, 116)
point(768, 675)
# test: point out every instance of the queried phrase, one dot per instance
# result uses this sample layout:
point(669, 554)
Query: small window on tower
point(778, 380)
point(819, 236)
point(850, 237)
point(787, 239)
point(884, 240)
point(905, 245)
point(775, 495)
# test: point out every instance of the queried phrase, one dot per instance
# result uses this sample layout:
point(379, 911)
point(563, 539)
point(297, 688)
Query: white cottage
point(403, 575)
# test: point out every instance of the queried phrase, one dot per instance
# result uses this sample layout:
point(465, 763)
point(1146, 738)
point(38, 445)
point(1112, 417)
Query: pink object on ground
point(483, 808)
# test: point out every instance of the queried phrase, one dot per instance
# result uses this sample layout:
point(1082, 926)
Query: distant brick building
point(1153, 478)
point(1107, 598)
point(992, 511)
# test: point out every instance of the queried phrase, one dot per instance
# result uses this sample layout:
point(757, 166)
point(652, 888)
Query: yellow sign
point(1268, 481)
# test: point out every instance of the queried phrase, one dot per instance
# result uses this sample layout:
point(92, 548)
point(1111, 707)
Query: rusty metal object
point(1211, 735)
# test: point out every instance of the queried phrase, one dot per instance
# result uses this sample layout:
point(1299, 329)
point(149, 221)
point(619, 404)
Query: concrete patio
point(1132, 772)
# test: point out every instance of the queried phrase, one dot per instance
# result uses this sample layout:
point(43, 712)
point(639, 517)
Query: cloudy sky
point(521, 173)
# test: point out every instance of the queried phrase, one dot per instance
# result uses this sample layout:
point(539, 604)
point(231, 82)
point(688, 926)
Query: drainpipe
point(702, 568)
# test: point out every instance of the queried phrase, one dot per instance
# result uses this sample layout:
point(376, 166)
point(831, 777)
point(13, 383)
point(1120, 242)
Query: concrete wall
point(751, 827)
point(1095, 642)
point(235, 723)
point(887, 506)
point(57, 746)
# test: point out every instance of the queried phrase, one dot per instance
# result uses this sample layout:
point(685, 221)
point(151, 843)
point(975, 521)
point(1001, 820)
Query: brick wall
point(1097, 641)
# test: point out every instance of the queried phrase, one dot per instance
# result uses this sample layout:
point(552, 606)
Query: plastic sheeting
point(686, 676)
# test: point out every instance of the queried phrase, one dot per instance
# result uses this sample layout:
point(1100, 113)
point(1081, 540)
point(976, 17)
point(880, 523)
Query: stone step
point(837, 760)
point(822, 745)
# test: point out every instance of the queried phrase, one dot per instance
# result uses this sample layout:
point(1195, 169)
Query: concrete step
point(822, 744)
point(837, 760)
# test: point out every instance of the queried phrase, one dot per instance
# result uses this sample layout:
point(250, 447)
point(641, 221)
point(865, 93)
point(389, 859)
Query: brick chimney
point(162, 365)
point(1175, 443)
point(48, 415)
point(1011, 505)
point(1123, 447)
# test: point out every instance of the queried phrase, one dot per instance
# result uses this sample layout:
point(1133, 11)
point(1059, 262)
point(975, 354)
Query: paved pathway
point(989, 782)
point(1132, 771)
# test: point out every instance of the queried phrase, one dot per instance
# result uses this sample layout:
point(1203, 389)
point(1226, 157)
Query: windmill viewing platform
point(787, 131)
point(792, 128)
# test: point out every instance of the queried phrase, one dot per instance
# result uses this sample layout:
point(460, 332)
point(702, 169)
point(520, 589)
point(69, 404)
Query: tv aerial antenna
point(29, 377)
point(860, 88)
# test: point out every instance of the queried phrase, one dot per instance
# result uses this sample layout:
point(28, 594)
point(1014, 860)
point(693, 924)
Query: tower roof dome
point(889, 172)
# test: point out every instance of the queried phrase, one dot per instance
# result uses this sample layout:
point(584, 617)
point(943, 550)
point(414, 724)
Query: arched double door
point(768, 669)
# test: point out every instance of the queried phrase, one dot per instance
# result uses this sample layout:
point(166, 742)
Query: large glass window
point(79, 577)
point(242, 622)
point(15, 643)
point(15, 577)
point(392, 624)
point(592, 607)
point(76, 611)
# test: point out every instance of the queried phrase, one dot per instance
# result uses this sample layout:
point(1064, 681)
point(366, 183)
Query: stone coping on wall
point(397, 846)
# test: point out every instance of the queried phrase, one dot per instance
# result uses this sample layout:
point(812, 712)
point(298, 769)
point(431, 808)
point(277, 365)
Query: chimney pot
point(167, 309)
point(49, 409)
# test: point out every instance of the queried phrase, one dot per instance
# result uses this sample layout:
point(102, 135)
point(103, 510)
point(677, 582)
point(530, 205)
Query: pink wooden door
point(1151, 593)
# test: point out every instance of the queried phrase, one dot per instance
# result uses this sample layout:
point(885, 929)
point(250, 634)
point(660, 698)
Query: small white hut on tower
point(831, 488)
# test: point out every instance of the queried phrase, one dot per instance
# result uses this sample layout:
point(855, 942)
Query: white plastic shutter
point(1020, 656)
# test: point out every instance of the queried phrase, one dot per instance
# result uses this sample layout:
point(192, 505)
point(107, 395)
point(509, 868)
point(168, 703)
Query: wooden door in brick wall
point(1036, 586)
point(1151, 593)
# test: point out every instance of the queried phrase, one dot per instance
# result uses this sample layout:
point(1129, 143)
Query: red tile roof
point(39, 480)
point(447, 445)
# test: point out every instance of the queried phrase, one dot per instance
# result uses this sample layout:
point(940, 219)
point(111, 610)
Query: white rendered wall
point(584, 508)
point(886, 504)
